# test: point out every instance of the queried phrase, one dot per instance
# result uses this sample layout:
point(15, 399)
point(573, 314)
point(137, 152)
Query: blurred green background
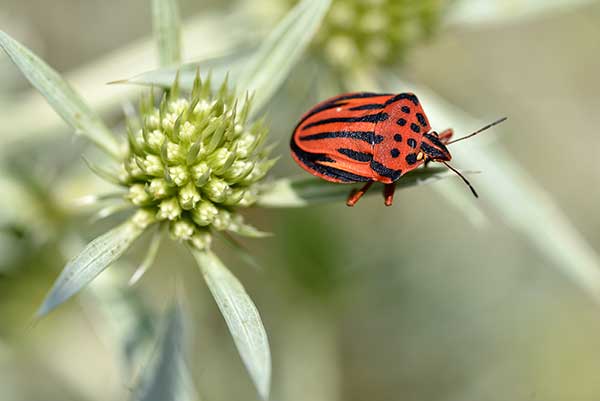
point(411, 302)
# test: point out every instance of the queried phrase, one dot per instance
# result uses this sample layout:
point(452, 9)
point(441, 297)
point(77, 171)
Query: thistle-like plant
point(192, 158)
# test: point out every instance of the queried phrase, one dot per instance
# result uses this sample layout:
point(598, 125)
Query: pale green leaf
point(304, 191)
point(93, 259)
point(278, 54)
point(60, 95)
point(167, 378)
point(241, 317)
point(516, 196)
point(167, 31)
point(486, 12)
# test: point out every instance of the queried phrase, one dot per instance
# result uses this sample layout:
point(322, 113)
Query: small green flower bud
point(235, 196)
point(201, 240)
point(201, 173)
point(178, 106)
point(249, 198)
point(238, 170)
point(189, 196)
point(216, 190)
point(179, 175)
point(168, 121)
point(152, 120)
point(155, 140)
point(159, 188)
point(153, 166)
point(204, 213)
point(182, 230)
point(138, 194)
point(169, 209)
point(222, 220)
point(187, 131)
point(175, 152)
point(133, 167)
point(143, 218)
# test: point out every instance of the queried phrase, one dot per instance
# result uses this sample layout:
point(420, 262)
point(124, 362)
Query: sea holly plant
point(193, 157)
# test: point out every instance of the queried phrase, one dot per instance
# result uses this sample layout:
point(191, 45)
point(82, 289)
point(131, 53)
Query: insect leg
point(388, 193)
point(446, 135)
point(356, 194)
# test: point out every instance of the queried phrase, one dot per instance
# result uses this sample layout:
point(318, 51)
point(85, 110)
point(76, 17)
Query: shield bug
point(370, 137)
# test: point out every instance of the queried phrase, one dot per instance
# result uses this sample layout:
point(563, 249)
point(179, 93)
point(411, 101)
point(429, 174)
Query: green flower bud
point(153, 166)
point(222, 220)
point(202, 240)
point(155, 140)
point(179, 175)
point(182, 230)
point(143, 218)
point(204, 213)
point(216, 190)
point(189, 196)
point(169, 209)
point(138, 194)
point(159, 188)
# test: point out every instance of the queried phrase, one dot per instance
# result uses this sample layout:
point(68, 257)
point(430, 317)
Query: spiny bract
point(192, 161)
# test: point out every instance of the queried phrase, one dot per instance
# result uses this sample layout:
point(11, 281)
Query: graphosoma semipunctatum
point(368, 137)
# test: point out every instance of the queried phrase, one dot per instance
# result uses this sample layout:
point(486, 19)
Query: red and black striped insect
point(368, 137)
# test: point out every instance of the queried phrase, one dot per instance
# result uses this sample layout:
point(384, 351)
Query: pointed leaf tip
point(60, 95)
point(93, 259)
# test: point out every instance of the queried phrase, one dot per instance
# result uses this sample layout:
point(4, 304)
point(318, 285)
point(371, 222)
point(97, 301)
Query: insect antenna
point(463, 178)
point(479, 130)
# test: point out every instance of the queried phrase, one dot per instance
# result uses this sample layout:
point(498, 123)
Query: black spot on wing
point(385, 171)
point(395, 153)
point(311, 160)
point(415, 128)
point(411, 158)
point(422, 120)
point(354, 155)
point(397, 137)
point(367, 136)
point(369, 118)
point(405, 109)
point(411, 142)
point(401, 122)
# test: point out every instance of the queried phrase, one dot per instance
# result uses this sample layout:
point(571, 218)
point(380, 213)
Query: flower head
point(359, 33)
point(192, 161)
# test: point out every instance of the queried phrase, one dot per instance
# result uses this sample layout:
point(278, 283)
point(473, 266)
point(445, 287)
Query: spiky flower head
point(375, 31)
point(362, 33)
point(193, 161)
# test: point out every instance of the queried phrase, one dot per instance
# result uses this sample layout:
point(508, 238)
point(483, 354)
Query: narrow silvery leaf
point(167, 378)
point(93, 259)
point(167, 31)
point(486, 12)
point(278, 54)
point(241, 317)
point(148, 259)
point(60, 95)
point(516, 196)
point(303, 191)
